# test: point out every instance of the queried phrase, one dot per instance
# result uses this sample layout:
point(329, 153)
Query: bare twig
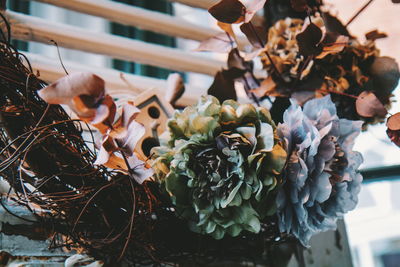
point(359, 12)
point(59, 56)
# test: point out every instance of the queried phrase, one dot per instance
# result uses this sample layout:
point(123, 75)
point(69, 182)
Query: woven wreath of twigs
point(108, 215)
point(42, 146)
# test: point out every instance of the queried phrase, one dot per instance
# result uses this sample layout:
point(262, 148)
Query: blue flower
point(321, 178)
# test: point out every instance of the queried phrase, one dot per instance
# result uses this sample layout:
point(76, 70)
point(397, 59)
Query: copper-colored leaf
point(368, 105)
point(120, 141)
point(223, 86)
point(139, 169)
point(333, 47)
point(126, 131)
point(104, 115)
point(309, 39)
point(394, 136)
point(175, 88)
point(84, 93)
point(110, 157)
point(107, 157)
point(134, 133)
point(220, 43)
point(226, 27)
point(299, 5)
point(375, 34)
point(114, 162)
point(129, 114)
point(76, 84)
point(81, 91)
point(256, 35)
point(235, 60)
point(393, 122)
point(333, 24)
point(228, 11)
point(252, 8)
point(267, 87)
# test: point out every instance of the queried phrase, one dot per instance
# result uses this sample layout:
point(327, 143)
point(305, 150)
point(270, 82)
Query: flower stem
point(259, 40)
point(359, 12)
point(246, 83)
point(130, 170)
point(339, 93)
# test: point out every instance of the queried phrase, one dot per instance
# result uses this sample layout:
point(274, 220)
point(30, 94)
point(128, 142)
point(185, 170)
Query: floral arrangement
point(345, 69)
point(278, 169)
point(322, 182)
point(221, 163)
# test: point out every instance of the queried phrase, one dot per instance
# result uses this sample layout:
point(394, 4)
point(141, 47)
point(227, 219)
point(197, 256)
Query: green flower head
point(221, 163)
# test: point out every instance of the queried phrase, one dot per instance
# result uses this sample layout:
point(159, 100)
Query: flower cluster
point(85, 94)
point(321, 179)
point(348, 71)
point(221, 165)
point(283, 48)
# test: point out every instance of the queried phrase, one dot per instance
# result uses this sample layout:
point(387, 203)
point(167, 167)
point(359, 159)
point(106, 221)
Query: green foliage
point(221, 165)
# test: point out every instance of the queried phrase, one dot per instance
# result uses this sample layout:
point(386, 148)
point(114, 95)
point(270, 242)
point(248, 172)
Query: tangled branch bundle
point(228, 181)
point(88, 207)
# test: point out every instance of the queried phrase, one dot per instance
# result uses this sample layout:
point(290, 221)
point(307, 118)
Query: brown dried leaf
point(81, 91)
point(76, 84)
point(84, 93)
point(256, 35)
point(333, 24)
point(223, 86)
point(235, 60)
point(309, 39)
point(175, 88)
point(104, 115)
point(126, 131)
point(333, 48)
point(129, 114)
point(123, 138)
point(375, 34)
point(107, 157)
point(267, 87)
point(134, 133)
point(139, 169)
point(368, 105)
point(228, 11)
point(393, 122)
point(394, 136)
point(226, 27)
point(252, 8)
point(220, 43)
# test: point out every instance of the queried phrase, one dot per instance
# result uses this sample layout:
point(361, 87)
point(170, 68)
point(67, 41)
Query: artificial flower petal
point(219, 163)
point(322, 182)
